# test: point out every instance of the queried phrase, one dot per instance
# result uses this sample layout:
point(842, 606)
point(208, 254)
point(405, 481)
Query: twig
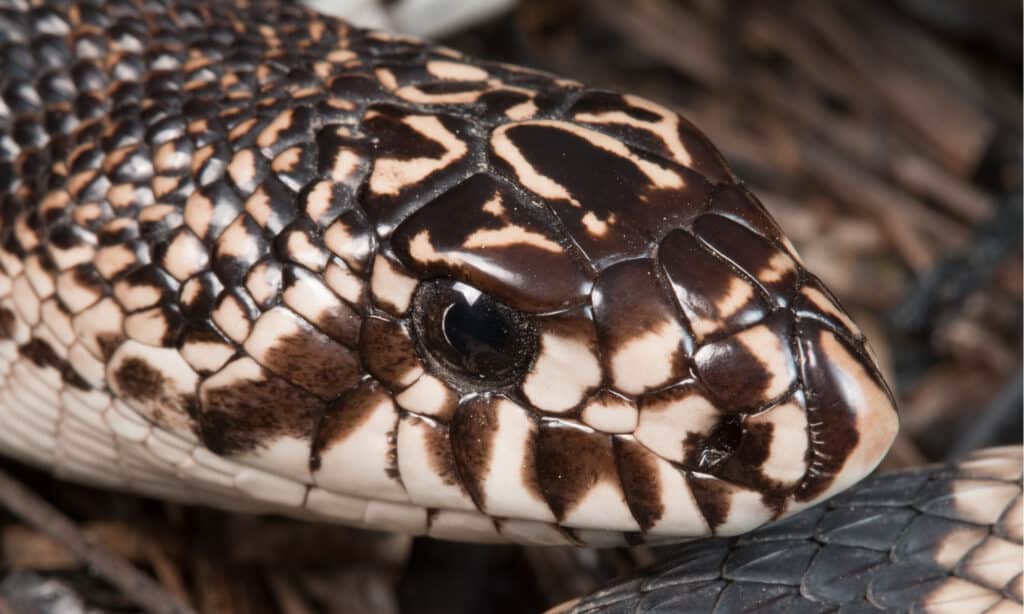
point(5, 607)
point(644, 24)
point(287, 596)
point(955, 277)
point(165, 569)
point(955, 131)
point(212, 586)
point(135, 585)
point(767, 27)
point(882, 155)
point(991, 425)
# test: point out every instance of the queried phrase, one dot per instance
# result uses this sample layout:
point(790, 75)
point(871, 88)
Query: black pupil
point(472, 339)
point(480, 332)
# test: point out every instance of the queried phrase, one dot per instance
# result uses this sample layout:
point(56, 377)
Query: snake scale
point(945, 538)
point(260, 259)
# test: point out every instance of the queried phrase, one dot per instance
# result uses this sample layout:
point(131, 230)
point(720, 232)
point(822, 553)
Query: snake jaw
point(851, 415)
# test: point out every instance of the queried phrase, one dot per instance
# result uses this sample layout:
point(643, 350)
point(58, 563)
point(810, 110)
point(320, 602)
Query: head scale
point(473, 319)
point(631, 322)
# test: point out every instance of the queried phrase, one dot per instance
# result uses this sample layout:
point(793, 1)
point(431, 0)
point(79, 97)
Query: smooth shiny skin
point(478, 331)
point(472, 335)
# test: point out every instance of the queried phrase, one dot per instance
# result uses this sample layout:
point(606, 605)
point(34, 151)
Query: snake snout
point(705, 385)
point(733, 384)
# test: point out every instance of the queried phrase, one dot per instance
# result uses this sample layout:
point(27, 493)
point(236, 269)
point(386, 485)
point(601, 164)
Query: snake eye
point(472, 335)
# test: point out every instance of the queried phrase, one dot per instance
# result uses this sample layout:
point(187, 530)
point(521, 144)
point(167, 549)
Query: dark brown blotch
point(315, 362)
point(704, 157)
point(744, 465)
point(108, 344)
point(7, 323)
point(439, 448)
point(388, 351)
point(741, 378)
point(638, 469)
point(531, 479)
point(714, 498)
point(249, 413)
point(345, 416)
point(570, 462)
point(340, 323)
point(41, 354)
point(736, 376)
point(629, 302)
point(756, 443)
point(751, 252)
point(137, 380)
point(703, 285)
point(472, 431)
point(609, 188)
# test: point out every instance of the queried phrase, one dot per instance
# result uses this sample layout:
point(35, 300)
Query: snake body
point(945, 538)
point(257, 258)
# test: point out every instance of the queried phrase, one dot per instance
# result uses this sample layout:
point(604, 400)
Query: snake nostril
point(720, 445)
point(472, 335)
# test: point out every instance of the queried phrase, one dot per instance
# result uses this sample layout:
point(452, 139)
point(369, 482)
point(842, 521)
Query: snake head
point(430, 306)
point(364, 278)
point(625, 340)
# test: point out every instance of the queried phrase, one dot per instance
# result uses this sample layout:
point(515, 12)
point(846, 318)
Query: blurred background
point(885, 137)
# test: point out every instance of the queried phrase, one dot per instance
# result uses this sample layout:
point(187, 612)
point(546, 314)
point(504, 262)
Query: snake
point(259, 259)
point(942, 538)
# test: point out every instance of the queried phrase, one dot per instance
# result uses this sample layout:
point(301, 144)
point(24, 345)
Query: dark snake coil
point(945, 538)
